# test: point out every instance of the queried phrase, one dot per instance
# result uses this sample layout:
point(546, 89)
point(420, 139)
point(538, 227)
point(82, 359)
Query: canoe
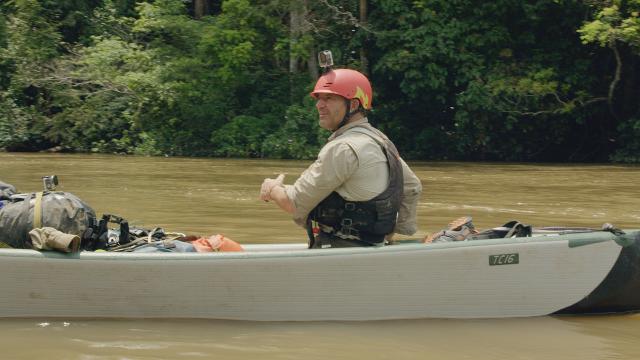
point(573, 273)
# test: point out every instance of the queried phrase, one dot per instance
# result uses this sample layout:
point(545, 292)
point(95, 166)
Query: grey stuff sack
point(6, 190)
point(62, 211)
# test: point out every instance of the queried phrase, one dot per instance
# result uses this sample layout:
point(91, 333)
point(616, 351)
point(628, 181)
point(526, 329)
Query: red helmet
point(347, 83)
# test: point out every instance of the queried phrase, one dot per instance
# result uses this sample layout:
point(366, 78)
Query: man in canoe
point(358, 192)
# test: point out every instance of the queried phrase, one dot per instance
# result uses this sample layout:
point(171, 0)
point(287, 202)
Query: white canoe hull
point(291, 283)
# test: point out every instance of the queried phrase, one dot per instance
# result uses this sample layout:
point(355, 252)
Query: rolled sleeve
point(335, 164)
point(407, 213)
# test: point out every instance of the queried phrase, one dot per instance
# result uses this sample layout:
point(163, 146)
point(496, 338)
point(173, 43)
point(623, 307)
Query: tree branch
point(616, 77)
point(346, 17)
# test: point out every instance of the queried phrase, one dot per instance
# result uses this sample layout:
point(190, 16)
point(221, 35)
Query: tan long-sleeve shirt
point(354, 165)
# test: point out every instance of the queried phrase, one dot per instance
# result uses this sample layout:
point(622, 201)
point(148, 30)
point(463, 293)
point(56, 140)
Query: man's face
point(332, 109)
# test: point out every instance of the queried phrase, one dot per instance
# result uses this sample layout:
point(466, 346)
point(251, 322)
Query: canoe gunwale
point(280, 250)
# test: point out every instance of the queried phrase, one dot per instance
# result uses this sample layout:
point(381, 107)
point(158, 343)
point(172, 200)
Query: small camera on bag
point(50, 182)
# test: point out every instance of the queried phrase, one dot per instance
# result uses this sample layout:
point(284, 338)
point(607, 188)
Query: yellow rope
point(37, 211)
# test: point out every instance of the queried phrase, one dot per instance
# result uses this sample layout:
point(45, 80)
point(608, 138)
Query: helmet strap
point(347, 114)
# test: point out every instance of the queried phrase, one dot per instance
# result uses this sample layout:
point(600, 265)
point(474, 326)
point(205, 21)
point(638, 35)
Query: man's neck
point(355, 117)
point(351, 123)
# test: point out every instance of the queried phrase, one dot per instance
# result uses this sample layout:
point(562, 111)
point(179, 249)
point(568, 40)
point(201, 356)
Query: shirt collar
point(345, 128)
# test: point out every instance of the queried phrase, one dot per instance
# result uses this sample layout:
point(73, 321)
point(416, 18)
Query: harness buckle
point(349, 206)
point(347, 231)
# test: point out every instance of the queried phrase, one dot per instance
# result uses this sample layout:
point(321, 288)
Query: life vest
point(366, 221)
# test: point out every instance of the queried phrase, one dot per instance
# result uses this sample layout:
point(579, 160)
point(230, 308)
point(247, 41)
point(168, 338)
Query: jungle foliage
point(508, 80)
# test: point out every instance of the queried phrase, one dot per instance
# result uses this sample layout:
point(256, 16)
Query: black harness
point(364, 223)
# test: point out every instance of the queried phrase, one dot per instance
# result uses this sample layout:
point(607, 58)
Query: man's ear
point(354, 104)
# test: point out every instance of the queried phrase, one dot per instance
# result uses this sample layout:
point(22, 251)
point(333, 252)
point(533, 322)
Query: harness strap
point(366, 131)
point(37, 211)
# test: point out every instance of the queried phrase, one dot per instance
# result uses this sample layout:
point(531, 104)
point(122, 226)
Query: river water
point(209, 196)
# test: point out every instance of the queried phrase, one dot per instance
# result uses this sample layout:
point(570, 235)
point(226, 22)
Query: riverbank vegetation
point(506, 80)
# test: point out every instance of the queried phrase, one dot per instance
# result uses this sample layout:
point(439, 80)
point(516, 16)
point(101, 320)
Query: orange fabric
point(216, 242)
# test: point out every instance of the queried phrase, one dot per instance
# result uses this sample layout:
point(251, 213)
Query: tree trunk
point(364, 62)
point(312, 63)
point(200, 8)
point(296, 19)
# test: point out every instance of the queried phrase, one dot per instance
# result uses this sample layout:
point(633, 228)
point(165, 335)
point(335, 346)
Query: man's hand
point(268, 185)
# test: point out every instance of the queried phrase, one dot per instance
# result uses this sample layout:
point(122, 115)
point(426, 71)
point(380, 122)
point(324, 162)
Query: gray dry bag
point(24, 212)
